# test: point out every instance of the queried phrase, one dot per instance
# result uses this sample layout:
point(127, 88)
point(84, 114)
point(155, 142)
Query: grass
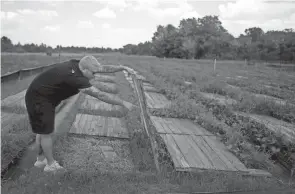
point(169, 76)
point(135, 173)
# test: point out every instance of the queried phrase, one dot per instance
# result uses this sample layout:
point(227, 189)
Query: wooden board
point(15, 100)
point(220, 99)
point(275, 125)
point(156, 100)
point(98, 126)
point(92, 104)
point(190, 152)
point(178, 126)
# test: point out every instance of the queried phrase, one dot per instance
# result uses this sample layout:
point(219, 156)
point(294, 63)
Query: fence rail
point(144, 118)
point(23, 73)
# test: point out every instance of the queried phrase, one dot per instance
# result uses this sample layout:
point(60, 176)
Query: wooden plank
point(75, 124)
point(82, 123)
point(171, 150)
point(217, 149)
point(194, 128)
point(98, 123)
point(157, 124)
point(189, 153)
point(228, 155)
point(210, 154)
point(178, 126)
point(120, 129)
point(171, 126)
point(111, 127)
point(105, 127)
point(92, 126)
point(87, 129)
point(176, 152)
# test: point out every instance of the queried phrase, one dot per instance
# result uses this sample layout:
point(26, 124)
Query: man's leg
point(41, 160)
point(39, 149)
point(46, 146)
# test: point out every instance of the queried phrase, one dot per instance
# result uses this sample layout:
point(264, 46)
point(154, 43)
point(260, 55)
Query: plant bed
point(258, 134)
point(14, 141)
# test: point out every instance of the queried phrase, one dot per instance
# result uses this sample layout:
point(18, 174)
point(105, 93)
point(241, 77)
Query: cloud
point(243, 14)
point(190, 14)
point(106, 26)
point(8, 15)
point(38, 14)
point(53, 28)
point(117, 4)
point(256, 10)
point(85, 24)
point(180, 9)
point(105, 13)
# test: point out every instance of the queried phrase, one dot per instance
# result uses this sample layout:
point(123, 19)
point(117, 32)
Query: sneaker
point(53, 167)
point(41, 163)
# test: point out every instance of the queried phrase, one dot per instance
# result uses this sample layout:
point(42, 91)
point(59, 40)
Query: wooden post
point(59, 54)
point(142, 102)
point(214, 65)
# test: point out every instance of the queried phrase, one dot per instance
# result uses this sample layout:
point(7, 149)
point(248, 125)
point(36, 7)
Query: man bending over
point(58, 83)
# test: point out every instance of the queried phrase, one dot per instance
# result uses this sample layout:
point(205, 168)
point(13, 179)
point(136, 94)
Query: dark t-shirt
point(58, 83)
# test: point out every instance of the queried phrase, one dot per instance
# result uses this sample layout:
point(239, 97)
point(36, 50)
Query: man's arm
point(108, 69)
point(104, 78)
point(105, 97)
point(104, 86)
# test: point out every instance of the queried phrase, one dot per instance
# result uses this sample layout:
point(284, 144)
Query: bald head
point(89, 65)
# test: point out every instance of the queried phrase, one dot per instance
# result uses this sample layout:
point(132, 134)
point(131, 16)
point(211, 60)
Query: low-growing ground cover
point(170, 76)
point(188, 103)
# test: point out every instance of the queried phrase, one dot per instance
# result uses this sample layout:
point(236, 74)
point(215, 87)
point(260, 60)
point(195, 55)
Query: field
point(221, 100)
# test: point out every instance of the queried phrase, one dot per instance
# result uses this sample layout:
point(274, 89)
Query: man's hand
point(128, 69)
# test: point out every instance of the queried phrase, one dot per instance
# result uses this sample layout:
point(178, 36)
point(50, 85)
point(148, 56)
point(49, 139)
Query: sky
point(114, 23)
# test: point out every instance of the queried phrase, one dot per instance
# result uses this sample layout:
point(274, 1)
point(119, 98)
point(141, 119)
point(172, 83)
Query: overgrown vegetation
point(250, 141)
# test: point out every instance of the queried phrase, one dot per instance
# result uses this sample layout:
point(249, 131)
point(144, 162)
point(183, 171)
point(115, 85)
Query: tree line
point(207, 38)
point(8, 46)
point(193, 39)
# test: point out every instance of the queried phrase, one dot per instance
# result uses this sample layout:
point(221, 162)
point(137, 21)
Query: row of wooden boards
point(99, 126)
point(193, 148)
point(191, 152)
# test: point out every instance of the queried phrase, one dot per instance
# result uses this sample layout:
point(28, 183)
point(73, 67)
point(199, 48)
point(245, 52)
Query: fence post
point(142, 102)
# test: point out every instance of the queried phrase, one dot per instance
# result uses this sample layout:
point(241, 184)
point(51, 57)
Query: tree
point(6, 44)
point(255, 33)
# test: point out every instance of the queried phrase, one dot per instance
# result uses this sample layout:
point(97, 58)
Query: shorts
point(41, 114)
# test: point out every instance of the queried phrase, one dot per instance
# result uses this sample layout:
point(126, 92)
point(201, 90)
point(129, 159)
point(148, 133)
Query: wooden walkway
point(156, 100)
point(193, 153)
point(99, 126)
point(193, 148)
point(178, 126)
point(93, 121)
